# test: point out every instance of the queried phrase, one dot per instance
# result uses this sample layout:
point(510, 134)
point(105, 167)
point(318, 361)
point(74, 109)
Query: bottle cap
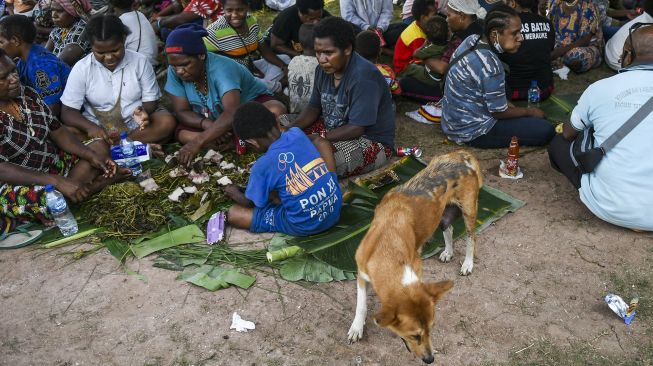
point(49, 188)
point(533, 82)
point(123, 135)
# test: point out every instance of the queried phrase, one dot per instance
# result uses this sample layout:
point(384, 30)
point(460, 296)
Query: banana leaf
point(214, 278)
point(185, 235)
point(557, 108)
point(310, 269)
point(118, 248)
point(337, 246)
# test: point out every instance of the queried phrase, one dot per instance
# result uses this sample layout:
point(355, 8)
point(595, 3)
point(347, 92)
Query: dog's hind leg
point(447, 253)
point(356, 330)
point(469, 207)
point(450, 214)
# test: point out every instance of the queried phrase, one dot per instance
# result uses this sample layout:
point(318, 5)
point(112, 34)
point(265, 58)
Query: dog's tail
point(471, 161)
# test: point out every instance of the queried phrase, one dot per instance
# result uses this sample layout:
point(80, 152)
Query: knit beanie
point(187, 39)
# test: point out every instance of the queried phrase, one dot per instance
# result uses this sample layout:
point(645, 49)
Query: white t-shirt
point(301, 77)
point(90, 84)
point(149, 41)
point(615, 46)
point(620, 189)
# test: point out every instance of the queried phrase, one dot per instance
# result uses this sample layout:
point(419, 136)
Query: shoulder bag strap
point(140, 31)
point(458, 58)
point(630, 124)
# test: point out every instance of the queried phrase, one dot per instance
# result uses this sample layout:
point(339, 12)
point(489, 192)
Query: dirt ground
point(535, 297)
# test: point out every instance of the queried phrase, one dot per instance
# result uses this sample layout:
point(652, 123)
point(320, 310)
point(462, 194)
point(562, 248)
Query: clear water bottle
point(129, 152)
point(59, 211)
point(533, 95)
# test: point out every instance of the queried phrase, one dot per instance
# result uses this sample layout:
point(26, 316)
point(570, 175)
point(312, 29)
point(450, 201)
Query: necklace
point(203, 97)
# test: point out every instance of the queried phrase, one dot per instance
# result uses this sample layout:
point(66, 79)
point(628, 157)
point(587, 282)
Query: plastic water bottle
point(58, 208)
point(129, 151)
point(533, 95)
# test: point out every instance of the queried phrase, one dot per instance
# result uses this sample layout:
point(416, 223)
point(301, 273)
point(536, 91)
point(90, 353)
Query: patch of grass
point(274, 362)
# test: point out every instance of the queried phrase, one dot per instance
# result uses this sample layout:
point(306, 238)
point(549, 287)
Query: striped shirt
point(223, 39)
point(475, 88)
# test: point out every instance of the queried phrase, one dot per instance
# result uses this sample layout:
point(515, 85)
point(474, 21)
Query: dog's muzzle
point(426, 359)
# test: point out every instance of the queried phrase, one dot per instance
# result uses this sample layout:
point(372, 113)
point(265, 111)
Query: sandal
point(21, 237)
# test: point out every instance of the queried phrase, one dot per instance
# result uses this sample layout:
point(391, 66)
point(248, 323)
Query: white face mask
point(496, 44)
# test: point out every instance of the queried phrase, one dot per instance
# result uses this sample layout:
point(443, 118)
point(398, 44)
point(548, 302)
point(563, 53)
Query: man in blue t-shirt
point(37, 67)
point(293, 187)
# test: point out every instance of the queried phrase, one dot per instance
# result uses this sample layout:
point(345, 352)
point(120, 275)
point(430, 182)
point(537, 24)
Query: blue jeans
point(530, 131)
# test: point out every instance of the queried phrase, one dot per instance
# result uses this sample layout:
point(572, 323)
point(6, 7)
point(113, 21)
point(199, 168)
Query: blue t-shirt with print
point(309, 192)
point(362, 99)
point(475, 88)
point(44, 72)
point(224, 75)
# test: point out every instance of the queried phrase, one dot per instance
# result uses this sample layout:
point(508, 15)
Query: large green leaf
point(557, 108)
point(118, 248)
point(308, 268)
point(214, 278)
point(184, 235)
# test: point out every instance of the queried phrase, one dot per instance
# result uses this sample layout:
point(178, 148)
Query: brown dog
point(389, 255)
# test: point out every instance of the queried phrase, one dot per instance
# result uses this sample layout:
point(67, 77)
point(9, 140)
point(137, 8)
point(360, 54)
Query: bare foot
point(157, 151)
point(98, 184)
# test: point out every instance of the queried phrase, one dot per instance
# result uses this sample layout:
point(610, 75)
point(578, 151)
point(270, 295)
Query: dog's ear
point(387, 316)
point(437, 289)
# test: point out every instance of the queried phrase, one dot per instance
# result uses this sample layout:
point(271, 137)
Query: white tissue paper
point(241, 325)
point(562, 72)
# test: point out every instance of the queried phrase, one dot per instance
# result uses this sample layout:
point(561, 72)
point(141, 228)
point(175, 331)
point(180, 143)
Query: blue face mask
point(496, 44)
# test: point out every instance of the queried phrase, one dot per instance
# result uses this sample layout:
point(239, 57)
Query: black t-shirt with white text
point(533, 59)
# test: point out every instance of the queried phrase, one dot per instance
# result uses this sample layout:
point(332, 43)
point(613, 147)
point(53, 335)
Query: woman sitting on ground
point(117, 89)
point(533, 59)
point(475, 110)
point(205, 90)
point(37, 67)
point(237, 35)
point(35, 151)
point(579, 36)
point(67, 39)
point(351, 105)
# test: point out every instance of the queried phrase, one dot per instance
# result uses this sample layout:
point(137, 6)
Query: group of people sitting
point(65, 100)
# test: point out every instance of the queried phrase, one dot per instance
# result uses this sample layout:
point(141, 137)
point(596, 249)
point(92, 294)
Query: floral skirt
point(27, 203)
point(354, 157)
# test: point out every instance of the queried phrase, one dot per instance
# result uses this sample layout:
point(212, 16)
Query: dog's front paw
point(446, 256)
point(467, 267)
point(355, 332)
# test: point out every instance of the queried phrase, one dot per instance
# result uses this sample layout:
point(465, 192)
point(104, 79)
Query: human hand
point(233, 191)
point(141, 117)
point(98, 132)
point(536, 112)
point(188, 152)
point(106, 166)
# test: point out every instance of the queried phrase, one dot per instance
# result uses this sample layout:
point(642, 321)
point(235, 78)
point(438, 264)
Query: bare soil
point(535, 297)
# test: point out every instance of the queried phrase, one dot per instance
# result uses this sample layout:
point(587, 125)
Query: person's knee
point(239, 216)
point(164, 121)
point(276, 107)
point(284, 58)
